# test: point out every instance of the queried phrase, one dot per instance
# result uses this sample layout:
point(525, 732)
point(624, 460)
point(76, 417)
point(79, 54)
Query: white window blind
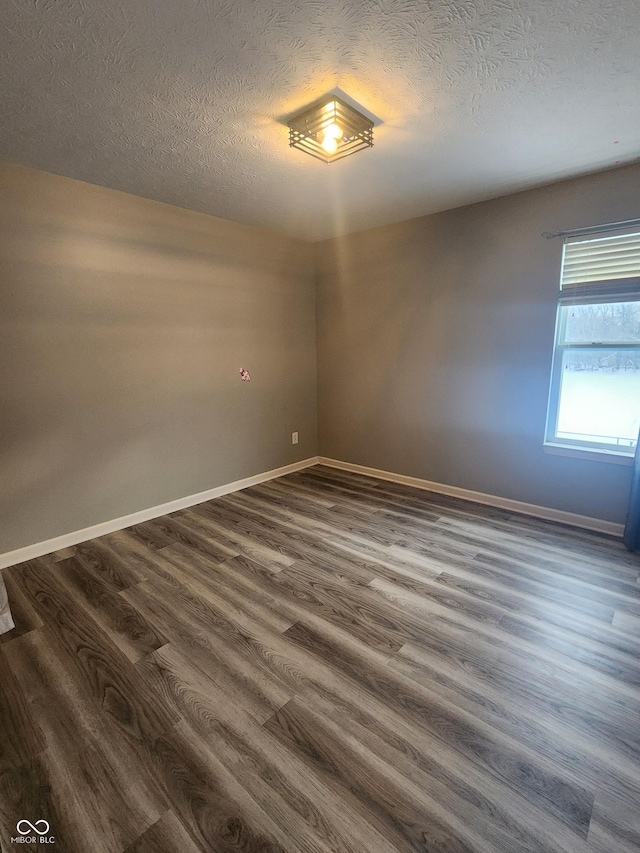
point(605, 266)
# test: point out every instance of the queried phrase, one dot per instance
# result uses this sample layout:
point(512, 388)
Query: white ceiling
point(183, 100)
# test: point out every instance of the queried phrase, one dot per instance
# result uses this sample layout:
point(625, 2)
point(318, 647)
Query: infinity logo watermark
point(32, 827)
point(33, 833)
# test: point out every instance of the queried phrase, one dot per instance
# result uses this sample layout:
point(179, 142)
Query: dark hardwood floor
point(326, 662)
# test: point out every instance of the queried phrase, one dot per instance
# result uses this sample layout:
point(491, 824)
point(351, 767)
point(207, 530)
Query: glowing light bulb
point(330, 144)
point(333, 131)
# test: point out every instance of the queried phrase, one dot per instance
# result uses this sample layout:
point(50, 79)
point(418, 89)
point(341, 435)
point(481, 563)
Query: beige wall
point(435, 339)
point(123, 324)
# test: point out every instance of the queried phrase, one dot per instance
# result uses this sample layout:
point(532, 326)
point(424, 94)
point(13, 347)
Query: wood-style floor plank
point(326, 663)
point(124, 625)
point(86, 761)
point(165, 836)
point(20, 736)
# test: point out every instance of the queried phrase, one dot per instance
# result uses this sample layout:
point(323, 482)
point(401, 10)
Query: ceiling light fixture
point(330, 130)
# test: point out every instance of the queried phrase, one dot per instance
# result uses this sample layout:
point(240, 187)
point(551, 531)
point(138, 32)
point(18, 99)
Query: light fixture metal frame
point(306, 129)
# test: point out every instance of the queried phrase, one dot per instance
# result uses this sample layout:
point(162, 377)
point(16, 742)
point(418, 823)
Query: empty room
point(319, 415)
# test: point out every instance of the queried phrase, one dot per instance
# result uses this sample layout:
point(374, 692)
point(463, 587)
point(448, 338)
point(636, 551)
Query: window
point(594, 401)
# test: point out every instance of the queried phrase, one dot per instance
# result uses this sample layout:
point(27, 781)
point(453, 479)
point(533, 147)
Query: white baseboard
point(547, 513)
point(29, 552)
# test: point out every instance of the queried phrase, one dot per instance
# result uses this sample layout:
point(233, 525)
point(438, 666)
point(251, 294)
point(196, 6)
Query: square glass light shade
point(330, 130)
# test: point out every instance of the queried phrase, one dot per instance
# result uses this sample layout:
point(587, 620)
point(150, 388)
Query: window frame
point(592, 293)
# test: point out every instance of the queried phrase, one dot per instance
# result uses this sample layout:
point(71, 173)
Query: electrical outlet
point(294, 438)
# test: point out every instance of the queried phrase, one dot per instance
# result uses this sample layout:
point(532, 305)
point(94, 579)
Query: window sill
point(611, 456)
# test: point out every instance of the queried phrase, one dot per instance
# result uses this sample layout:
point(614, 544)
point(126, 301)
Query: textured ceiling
point(184, 100)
